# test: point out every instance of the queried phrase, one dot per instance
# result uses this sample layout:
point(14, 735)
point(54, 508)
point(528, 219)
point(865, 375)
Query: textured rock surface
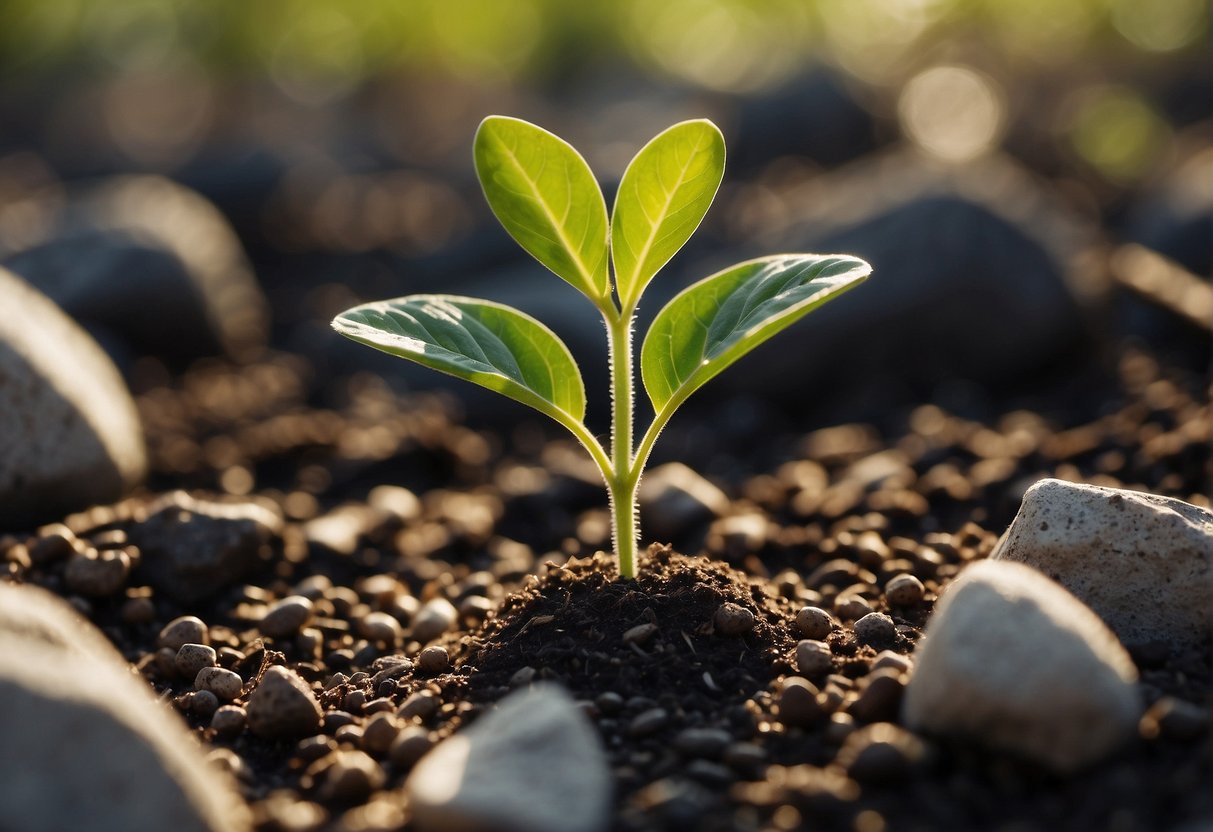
point(1143, 563)
point(193, 548)
point(533, 765)
point(283, 706)
point(152, 263)
point(1012, 660)
point(69, 433)
point(101, 755)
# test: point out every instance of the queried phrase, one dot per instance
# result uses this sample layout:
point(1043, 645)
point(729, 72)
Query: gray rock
point(69, 433)
point(194, 548)
point(1143, 563)
point(675, 501)
point(533, 765)
point(282, 706)
point(102, 755)
point(152, 263)
point(287, 616)
point(36, 616)
point(1013, 661)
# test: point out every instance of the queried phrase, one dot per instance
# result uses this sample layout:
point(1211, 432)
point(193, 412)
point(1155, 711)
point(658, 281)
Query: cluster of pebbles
point(322, 644)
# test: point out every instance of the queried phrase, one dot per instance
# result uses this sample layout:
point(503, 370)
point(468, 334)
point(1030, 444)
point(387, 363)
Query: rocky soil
point(356, 577)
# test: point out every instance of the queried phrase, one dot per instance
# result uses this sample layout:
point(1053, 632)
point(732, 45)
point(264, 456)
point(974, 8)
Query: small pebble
point(187, 629)
point(876, 628)
point(522, 677)
point(410, 745)
point(282, 706)
point(225, 684)
point(649, 722)
point(139, 610)
point(191, 658)
point(797, 705)
point(851, 607)
point(733, 620)
point(609, 702)
point(745, 755)
point(335, 719)
point(814, 623)
point(434, 659)
point(228, 720)
point(896, 661)
point(880, 753)
point(204, 703)
point(702, 742)
point(814, 658)
point(381, 628)
point(287, 617)
point(422, 705)
point(639, 634)
point(379, 734)
point(351, 778)
point(97, 574)
point(840, 726)
point(434, 618)
point(55, 543)
point(904, 591)
point(881, 696)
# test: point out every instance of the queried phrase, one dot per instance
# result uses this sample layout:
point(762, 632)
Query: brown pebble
point(351, 777)
point(640, 634)
point(851, 607)
point(814, 623)
point(55, 542)
point(282, 706)
point(904, 591)
point(410, 745)
point(228, 721)
point(880, 753)
point(881, 696)
point(187, 629)
point(421, 705)
point(434, 659)
point(380, 628)
point(379, 734)
point(287, 617)
point(797, 705)
point(204, 703)
point(887, 658)
point(733, 620)
point(139, 610)
point(191, 658)
point(814, 658)
point(97, 574)
point(225, 684)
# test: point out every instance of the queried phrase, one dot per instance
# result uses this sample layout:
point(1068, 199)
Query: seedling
point(545, 195)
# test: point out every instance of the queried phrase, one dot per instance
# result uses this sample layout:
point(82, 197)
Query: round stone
point(733, 620)
point(188, 629)
point(282, 706)
point(904, 591)
point(814, 623)
point(797, 705)
point(229, 720)
point(434, 659)
point(192, 658)
point(287, 617)
point(814, 658)
point(876, 628)
point(225, 684)
point(97, 574)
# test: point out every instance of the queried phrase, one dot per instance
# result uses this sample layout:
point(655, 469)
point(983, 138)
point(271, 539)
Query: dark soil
point(818, 519)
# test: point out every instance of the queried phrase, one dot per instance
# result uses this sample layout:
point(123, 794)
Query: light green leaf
point(663, 196)
point(485, 343)
point(712, 323)
point(544, 194)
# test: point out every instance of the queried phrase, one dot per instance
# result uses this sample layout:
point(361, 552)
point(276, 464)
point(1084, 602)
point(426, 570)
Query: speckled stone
point(1143, 563)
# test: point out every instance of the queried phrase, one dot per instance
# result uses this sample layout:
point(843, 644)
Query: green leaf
point(544, 194)
point(663, 196)
point(716, 321)
point(485, 343)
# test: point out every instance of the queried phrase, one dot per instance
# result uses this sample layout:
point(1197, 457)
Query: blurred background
point(1032, 179)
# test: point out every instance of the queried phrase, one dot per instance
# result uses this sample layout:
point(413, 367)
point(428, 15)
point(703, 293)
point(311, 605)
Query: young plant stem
point(622, 480)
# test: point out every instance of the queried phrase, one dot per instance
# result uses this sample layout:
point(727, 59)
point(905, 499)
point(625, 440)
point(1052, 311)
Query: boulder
point(152, 264)
point(535, 764)
point(88, 746)
point(1013, 661)
point(1144, 563)
point(69, 433)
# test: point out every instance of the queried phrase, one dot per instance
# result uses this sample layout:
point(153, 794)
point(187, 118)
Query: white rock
point(533, 765)
point(99, 755)
point(1012, 660)
point(69, 433)
point(1143, 563)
